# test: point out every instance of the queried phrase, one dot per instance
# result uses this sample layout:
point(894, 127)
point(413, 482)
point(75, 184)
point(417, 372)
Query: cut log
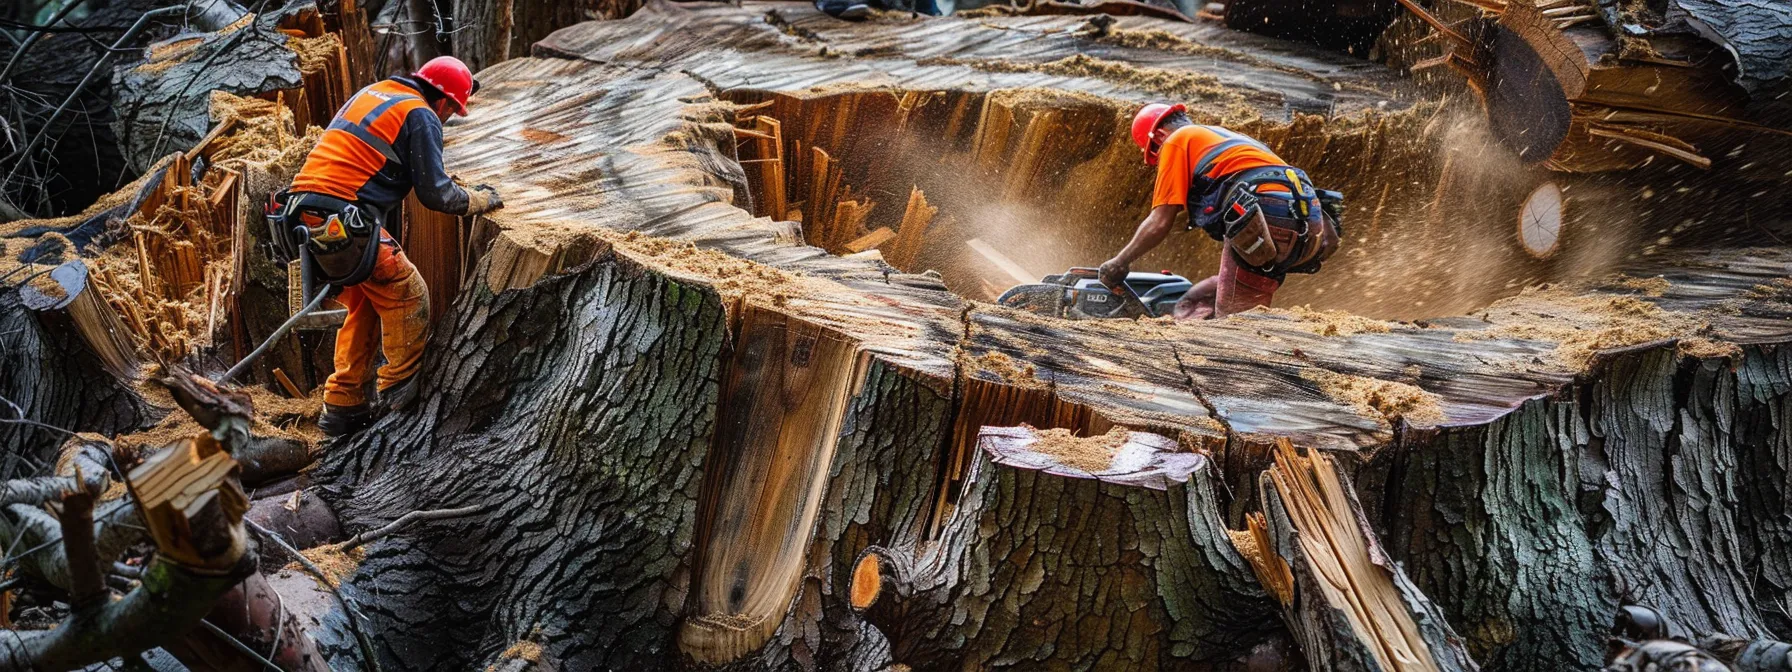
point(69, 363)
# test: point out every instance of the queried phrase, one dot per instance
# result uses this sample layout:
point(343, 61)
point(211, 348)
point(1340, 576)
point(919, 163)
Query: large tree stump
point(1657, 483)
point(578, 412)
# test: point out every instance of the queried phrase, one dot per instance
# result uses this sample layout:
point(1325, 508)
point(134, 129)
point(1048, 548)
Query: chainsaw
point(1080, 294)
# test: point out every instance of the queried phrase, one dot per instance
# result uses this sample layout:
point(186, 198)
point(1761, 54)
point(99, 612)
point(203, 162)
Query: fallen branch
point(404, 521)
point(194, 510)
point(84, 466)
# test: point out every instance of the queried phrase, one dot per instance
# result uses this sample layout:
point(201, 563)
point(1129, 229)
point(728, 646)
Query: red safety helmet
point(451, 77)
point(1146, 122)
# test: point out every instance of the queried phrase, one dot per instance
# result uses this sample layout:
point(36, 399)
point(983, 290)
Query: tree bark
point(577, 412)
point(1044, 564)
point(66, 367)
point(1657, 482)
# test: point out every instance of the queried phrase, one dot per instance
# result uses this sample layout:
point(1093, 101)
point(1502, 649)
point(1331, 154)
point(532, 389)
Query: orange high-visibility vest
point(358, 142)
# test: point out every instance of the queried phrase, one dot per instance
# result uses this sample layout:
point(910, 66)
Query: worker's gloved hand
point(1113, 272)
point(482, 199)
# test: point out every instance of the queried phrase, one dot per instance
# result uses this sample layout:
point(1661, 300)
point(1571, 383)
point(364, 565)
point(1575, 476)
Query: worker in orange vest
point(1270, 218)
point(383, 144)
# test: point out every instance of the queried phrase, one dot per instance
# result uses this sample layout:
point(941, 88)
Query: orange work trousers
point(390, 310)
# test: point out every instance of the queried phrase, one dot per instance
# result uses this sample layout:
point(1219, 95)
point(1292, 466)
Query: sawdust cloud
point(1425, 238)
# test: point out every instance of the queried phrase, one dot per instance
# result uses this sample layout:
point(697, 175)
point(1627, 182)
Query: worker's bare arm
point(1149, 235)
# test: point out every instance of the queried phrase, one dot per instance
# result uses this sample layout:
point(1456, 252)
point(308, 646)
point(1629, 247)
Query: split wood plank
point(911, 233)
point(877, 237)
point(285, 382)
point(771, 172)
point(848, 224)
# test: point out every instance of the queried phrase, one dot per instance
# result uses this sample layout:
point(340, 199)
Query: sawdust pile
point(1007, 368)
point(1651, 287)
point(524, 650)
point(275, 417)
point(316, 53)
point(1185, 86)
point(262, 134)
point(1331, 322)
point(1385, 400)
point(1092, 454)
point(730, 275)
point(1582, 324)
point(1705, 348)
point(335, 564)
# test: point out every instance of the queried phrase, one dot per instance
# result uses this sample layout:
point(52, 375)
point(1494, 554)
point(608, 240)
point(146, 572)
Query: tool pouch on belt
point(1278, 232)
point(341, 239)
point(1256, 243)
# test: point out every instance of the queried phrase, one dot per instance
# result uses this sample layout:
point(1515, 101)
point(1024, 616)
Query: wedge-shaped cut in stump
point(1045, 565)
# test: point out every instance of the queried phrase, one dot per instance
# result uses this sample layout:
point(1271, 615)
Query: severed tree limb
point(194, 510)
point(83, 466)
point(88, 455)
point(86, 586)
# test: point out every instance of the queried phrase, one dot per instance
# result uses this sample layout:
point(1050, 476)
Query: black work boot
point(397, 397)
point(340, 421)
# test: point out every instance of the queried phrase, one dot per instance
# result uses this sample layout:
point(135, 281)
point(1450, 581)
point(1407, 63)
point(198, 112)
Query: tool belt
point(1273, 233)
point(340, 241)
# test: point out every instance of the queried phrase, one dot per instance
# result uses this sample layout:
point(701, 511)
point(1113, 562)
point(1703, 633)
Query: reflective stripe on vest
point(1212, 155)
point(363, 130)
